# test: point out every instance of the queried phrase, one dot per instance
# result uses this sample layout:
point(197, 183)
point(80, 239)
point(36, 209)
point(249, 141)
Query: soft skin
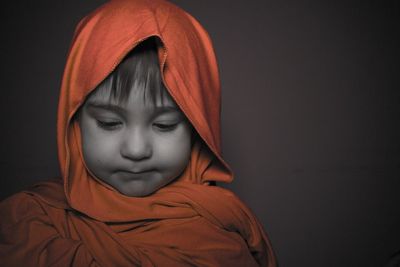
point(136, 146)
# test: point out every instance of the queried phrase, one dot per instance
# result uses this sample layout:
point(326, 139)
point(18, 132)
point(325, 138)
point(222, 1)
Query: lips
point(136, 172)
point(125, 174)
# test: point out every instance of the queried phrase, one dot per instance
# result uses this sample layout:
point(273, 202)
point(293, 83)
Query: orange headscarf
point(80, 221)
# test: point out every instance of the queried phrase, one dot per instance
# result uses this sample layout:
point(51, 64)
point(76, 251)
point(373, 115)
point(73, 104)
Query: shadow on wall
point(394, 260)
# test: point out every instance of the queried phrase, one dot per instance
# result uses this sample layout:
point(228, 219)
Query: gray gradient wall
point(310, 120)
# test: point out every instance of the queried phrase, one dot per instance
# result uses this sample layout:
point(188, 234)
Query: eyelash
point(166, 127)
point(113, 125)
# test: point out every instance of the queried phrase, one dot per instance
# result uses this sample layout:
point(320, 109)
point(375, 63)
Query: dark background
point(310, 119)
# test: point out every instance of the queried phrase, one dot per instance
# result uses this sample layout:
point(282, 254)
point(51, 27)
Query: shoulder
point(31, 203)
point(18, 207)
point(227, 197)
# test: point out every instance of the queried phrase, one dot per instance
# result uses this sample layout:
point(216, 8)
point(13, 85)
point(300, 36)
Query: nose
point(136, 145)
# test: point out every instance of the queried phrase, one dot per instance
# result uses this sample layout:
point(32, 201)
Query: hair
point(138, 71)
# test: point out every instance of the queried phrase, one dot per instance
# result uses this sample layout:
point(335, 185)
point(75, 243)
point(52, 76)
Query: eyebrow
point(119, 109)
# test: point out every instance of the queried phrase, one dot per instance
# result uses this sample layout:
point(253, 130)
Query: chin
point(137, 194)
point(135, 190)
point(141, 188)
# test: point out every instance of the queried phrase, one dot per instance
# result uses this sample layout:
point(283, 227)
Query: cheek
point(174, 152)
point(98, 149)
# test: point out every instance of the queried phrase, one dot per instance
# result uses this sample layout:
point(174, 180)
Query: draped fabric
point(81, 221)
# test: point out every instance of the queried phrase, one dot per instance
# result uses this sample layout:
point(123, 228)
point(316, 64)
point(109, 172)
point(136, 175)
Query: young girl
point(139, 150)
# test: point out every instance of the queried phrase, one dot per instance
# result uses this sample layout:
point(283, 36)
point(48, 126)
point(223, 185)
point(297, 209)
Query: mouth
point(127, 174)
point(138, 172)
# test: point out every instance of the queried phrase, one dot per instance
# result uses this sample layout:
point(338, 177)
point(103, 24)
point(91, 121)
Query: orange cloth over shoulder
point(79, 221)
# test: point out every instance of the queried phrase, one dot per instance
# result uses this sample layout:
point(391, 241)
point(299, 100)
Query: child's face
point(137, 147)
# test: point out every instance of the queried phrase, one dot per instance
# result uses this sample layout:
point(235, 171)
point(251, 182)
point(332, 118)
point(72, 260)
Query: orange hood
point(189, 70)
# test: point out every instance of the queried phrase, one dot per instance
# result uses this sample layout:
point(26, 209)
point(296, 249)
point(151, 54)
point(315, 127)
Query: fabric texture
point(79, 220)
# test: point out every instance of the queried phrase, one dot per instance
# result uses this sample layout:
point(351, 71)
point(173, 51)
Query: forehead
point(138, 94)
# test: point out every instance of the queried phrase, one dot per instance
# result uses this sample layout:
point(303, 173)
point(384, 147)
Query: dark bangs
point(139, 71)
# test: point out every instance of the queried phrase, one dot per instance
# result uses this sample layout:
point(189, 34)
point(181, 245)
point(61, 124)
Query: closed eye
point(108, 125)
point(165, 126)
